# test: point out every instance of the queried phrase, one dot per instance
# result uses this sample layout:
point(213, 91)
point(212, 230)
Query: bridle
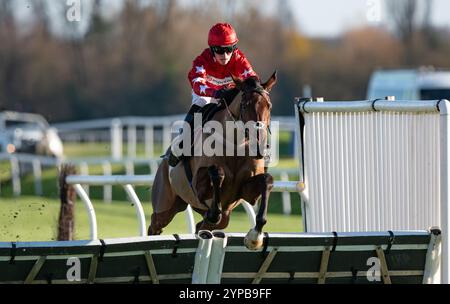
point(242, 107)
point(259, 90)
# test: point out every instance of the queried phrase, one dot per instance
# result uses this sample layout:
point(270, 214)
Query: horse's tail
point(67, 197)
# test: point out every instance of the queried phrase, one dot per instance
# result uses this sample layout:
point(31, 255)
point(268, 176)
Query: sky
point(316, 18)
point(332, 17)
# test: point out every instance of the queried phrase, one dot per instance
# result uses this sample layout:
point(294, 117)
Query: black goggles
point(223, 49)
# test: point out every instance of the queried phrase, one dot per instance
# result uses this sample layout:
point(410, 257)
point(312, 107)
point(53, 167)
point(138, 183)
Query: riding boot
point(172, 159)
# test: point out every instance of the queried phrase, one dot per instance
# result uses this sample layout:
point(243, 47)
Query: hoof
point(152, 231)
point(253, 240)
point(213, 220)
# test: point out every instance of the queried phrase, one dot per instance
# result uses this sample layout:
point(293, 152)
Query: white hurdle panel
point(375, 165)
point(388, 162)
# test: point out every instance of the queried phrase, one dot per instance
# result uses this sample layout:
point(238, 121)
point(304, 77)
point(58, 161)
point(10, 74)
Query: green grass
point(104, 149)
point(87, 149)
point(31, 218)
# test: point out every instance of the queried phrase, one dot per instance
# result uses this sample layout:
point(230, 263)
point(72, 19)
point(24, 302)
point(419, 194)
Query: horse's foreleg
point(259, 185)
point(213, 215)
point(266, 187)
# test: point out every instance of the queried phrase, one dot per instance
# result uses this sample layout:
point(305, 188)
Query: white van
point(419, 84)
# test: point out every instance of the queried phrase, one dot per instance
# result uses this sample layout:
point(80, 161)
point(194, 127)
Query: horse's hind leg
point(164, 200)
point(162, 219)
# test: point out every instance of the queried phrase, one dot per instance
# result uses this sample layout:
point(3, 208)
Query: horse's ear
point(237, 81)
point(271, 82)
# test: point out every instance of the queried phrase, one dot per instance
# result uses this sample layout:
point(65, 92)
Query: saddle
point(208, 111)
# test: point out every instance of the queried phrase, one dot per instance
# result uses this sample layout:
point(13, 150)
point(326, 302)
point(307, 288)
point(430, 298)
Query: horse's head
point(255, 107)
point(255, 104)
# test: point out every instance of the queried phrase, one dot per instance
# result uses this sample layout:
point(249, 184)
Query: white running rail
point(128, 181)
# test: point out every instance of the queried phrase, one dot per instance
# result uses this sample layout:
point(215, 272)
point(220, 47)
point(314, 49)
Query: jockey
point(210, 74)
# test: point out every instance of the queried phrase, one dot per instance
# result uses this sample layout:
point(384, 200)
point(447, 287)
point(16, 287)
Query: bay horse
point(219, 183)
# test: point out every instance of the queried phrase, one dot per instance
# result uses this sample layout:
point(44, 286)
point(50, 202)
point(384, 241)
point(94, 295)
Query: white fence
point(22, 164)
point(111, 129)
point(371, 166)
point(147, 180)
point(148, 130)
point(37, 163)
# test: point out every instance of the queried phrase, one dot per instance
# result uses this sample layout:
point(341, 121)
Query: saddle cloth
point(182, 187)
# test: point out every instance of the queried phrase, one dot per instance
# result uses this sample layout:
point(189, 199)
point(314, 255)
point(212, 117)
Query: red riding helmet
point(222, 34)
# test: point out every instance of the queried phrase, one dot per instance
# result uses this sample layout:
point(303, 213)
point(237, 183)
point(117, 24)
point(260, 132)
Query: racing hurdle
point(375, 165)
point(398, 257)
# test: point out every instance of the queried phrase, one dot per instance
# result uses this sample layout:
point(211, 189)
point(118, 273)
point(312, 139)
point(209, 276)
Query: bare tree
point(5, 10)
point(40, 9)
point(412, 22)
point(97, 20)
point(230, 9)
point(285, 15)
point(428, 30)
point(403, 13)
point(9, 58)
point(168, 7)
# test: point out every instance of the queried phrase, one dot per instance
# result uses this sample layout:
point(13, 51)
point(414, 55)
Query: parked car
point(417, 84)
point(28, 133)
